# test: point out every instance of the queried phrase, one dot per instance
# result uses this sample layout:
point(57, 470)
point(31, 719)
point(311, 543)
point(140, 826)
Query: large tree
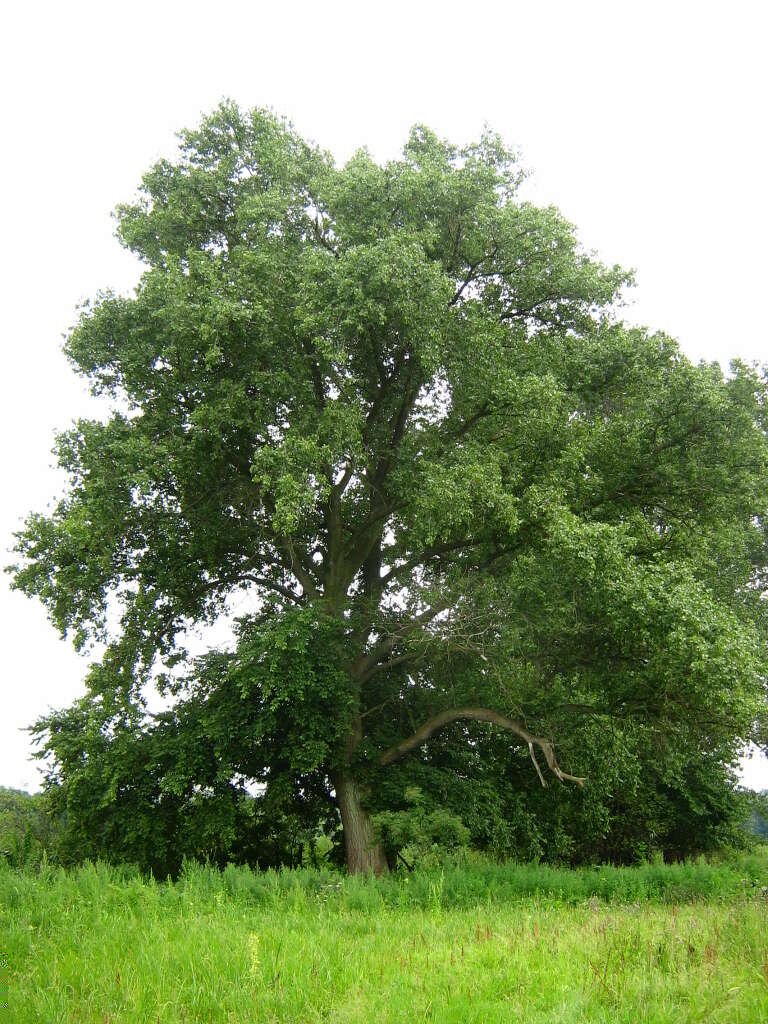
point(394, 406)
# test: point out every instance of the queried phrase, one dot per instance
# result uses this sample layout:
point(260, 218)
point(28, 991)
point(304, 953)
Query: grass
point(652, 944)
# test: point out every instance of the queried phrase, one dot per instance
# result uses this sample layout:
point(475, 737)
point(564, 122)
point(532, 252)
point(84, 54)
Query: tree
point(27, 830)
point(394, 407)
point(757, 822)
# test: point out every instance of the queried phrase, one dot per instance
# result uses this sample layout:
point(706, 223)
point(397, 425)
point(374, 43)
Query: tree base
point(364, 854)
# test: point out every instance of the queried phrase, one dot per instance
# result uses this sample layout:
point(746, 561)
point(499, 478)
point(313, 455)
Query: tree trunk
point(364, 854)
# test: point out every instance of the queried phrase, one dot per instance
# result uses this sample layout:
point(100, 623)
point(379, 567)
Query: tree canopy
point(393, 408)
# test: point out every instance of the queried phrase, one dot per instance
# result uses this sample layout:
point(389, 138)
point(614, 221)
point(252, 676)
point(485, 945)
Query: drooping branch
point(444, 718)
point(237, 576)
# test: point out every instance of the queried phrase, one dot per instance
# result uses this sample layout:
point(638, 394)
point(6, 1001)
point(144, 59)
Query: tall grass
point(452, 886)
point(475, 943)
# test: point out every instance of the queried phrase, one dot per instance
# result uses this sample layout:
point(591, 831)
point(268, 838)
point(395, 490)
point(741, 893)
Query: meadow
point(473, 943)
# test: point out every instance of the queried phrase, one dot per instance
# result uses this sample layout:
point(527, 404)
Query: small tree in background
point(28, 832)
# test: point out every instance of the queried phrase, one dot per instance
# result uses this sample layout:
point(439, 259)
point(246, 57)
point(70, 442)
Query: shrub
point(416, 834)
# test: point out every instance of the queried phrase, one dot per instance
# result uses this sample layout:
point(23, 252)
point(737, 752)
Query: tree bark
point(364, 854)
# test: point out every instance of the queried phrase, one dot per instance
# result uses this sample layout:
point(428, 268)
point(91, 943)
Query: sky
point(643, 122)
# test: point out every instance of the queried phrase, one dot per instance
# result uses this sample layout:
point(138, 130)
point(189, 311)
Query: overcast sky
point(644, 122)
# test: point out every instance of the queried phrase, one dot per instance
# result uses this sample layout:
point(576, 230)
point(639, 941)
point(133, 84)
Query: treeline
point(442, 814)
point(757, 823)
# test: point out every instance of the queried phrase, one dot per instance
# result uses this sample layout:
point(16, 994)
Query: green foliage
point(394, 408)
point(153, 791)
point(27, 831)
point(418, 833)
point(757, 822)
point(642, 797)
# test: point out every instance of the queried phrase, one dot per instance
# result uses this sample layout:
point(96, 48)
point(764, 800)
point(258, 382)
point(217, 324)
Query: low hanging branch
point(421, 736)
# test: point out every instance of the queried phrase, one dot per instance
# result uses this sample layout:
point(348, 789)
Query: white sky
point(644, 122)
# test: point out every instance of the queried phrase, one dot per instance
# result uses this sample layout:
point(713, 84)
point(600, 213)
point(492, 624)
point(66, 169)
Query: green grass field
point(478, 944)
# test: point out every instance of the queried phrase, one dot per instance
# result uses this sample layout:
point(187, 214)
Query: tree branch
point(337, 491)
point(422, 557)
point(365, 662)
point(322, 238)
point(276, 587)
point(243, 576)
point(439, 721)
point(314, 370)
point(381, 665)
point(301, 573)
point(471, 273)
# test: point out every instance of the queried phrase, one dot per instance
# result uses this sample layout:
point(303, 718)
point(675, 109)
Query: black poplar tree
point(396, 406)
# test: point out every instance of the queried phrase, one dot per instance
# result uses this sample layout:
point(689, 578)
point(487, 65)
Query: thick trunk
point(364, 854)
